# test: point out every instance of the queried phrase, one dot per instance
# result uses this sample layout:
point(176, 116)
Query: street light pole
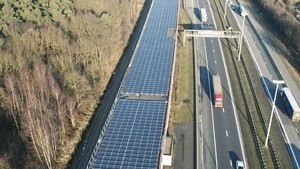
point(241, 39)
point(277, 82)
point(225, 9)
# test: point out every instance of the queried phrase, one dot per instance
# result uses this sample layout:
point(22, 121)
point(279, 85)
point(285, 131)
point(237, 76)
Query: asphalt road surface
point(270, 67)
point(184, 157)
point(219, 137)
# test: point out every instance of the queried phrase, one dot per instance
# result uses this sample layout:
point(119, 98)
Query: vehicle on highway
point(218, 94)
point(239, 164)
point(203, 15)
point(241, 10)
point(290, 104)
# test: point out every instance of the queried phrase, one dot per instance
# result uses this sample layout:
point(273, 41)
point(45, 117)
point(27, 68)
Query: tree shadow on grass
point(12, 146)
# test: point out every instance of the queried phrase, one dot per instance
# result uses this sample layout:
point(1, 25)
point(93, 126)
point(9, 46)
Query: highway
point(219, 138)
point(271, 67)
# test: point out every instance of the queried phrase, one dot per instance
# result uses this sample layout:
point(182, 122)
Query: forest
point(56, 57)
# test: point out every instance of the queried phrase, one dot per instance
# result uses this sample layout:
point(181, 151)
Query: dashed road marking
point(226, 133)
point(223, 110)
point(230, 163)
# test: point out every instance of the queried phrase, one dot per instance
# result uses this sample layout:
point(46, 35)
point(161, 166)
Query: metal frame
point(211, 34)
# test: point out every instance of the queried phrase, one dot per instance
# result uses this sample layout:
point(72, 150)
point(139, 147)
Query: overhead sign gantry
point(210, 34)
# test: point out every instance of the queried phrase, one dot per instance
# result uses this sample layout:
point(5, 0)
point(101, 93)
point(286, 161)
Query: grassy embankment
point(182, 108)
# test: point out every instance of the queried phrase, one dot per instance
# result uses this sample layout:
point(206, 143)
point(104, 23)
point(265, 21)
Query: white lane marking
point(213, 50)
point(237, 122)
point(230, 163)
point(211, 105)
point(296, 129)
point(278, 117)
point(211, 40)
point(226, 133)
point(215, 62)
point(223, 110)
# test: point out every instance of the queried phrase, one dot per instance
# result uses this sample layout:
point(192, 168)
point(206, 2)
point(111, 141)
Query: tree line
point(56, 57)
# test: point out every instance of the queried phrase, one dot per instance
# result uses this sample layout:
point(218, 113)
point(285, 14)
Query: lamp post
point(277, 82)
point(225, 9)
point(241, 39)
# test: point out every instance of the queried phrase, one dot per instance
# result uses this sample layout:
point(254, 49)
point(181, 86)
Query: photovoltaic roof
point(133, 137)
point(150, 70)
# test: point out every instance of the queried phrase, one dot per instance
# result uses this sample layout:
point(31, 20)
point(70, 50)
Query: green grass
point(182, 107)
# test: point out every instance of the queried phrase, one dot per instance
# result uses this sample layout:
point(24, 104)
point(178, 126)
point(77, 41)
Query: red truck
point(218, 94)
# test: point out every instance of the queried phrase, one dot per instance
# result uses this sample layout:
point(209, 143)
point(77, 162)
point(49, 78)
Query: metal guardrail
point(257, 141)
point(262, 118)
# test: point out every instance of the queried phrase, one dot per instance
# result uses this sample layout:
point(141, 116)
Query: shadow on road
point(205, 74)
point(234, 8)
point(197, 13)
point(272, 87)
point(269, 85)
point(296, 151)
point(233, 157)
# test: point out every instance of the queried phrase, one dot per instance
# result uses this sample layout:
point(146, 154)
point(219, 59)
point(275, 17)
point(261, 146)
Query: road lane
point(227, 147)
point(269, 67)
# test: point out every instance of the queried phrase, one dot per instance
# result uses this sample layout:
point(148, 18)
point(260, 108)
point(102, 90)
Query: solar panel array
point(132, 138)
point(150, 71)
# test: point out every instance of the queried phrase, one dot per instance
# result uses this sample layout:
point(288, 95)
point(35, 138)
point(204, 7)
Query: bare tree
point(14, 102)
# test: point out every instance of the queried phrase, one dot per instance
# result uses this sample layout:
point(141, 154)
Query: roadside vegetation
point(280, 14)
point(182, 108)
point(56, 58)
point(282, 19)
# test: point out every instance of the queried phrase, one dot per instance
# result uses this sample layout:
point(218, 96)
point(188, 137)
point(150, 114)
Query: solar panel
point(150, 71)
point(133, 137)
